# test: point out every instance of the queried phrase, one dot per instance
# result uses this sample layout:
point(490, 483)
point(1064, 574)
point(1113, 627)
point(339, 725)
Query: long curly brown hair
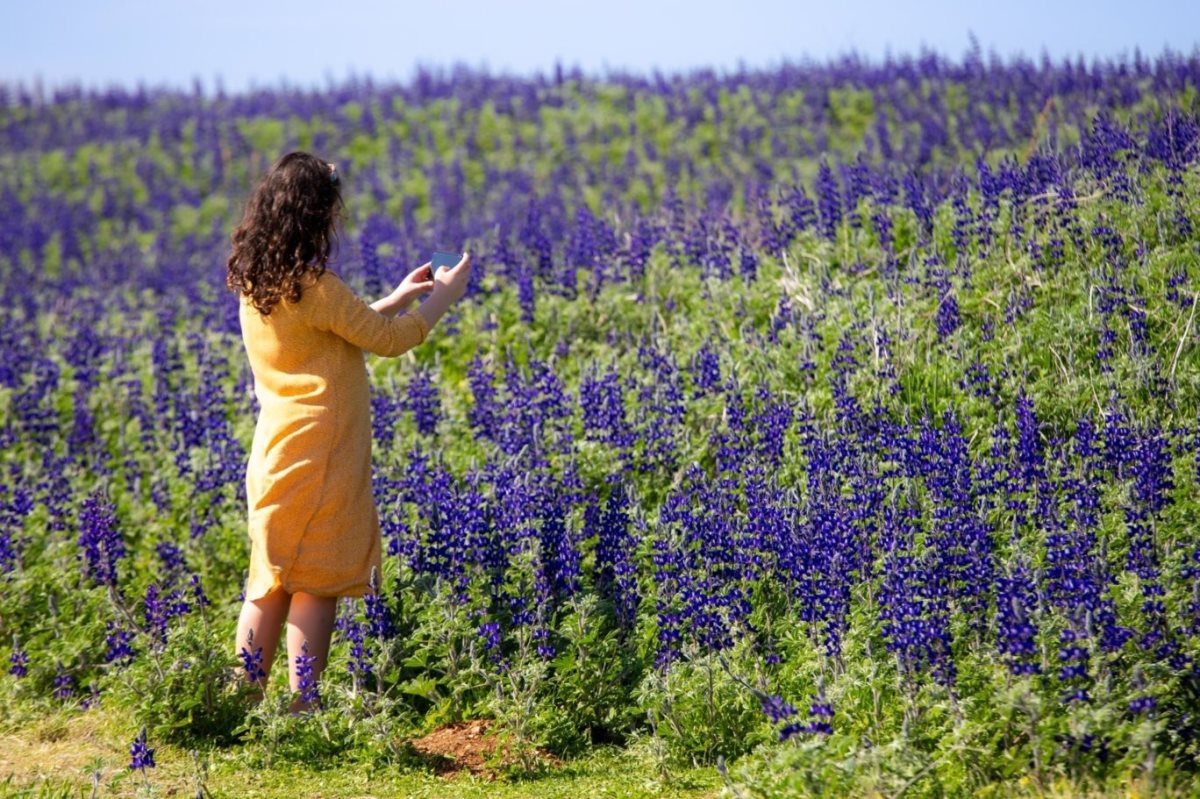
point(287, 231)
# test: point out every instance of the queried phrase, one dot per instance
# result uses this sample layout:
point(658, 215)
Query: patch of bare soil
point(467, 746)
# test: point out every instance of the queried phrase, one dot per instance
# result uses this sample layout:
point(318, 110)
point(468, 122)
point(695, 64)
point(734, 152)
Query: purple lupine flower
point(37, 420)
point(483, 414)
point(559, 556)
point(1191, 574)
point(641, 242)
point(533, 236)
point(100, 540)
point(616, 572)
point(1172, 294)
point(64, 684)
point(525, 293)
point(159, 610)
point(913, 618)
point(171, 559)
point(1152, 471)
point(1142, 705)
point(705, 371)
point(784, 318)
point(360, 654)
point(379, 616)
point(545, 647)
point(118, 641)
point(747, 264)
point(801, 215)
point(582, 250)
point(252, 664)
point(141, 756)
point(947, 319)
point(977, 380)
point(198, 594)
point(821, 713)
point(304, 671)
point(1073, 673)
point(964, 218)
point(669, 577)
point(424, 401)
point(1030, 460)
point(1118, 437)
point(768, 229)
point(18, 660)
point(13, 510)
point(368, 243)
point(770, 425)
point(490, 633)
point(92, 699)
point(829, 200)
point(602, 400)
point(1016, 633)
point(915, 197)
point(82, 439)
point(792, 729)
point(776, 709)
point(385, 415)
point(661, 410)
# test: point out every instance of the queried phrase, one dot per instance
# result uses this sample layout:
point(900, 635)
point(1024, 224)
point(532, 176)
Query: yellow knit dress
point(313, 525)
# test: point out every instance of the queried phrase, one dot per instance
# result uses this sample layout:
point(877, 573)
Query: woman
point(313, 526)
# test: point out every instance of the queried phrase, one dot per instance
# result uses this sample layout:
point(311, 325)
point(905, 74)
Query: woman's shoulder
point(312, 283)
point(313, 278)
point(322, 295)
point(325, 280)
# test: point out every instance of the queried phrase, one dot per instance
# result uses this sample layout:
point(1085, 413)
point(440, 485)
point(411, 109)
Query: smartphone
point(444, 259)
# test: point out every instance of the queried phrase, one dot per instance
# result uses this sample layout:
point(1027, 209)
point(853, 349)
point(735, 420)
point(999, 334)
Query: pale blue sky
point(309, 43)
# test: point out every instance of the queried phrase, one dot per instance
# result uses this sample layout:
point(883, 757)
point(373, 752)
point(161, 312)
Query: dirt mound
point(465, 746)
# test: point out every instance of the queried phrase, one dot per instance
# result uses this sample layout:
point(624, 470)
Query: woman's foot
point(254, 696)
point(299, 707)
point(252, 693)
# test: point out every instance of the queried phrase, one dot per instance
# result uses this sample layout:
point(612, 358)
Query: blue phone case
point(444, 259)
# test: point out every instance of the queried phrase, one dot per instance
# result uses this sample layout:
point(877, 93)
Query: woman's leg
point(265, 617)
point(310, 619)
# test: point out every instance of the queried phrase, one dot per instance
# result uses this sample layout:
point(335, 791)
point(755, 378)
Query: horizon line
point(37, 86)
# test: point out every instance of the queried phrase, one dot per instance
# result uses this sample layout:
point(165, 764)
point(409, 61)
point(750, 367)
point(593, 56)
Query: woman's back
point(313, 522)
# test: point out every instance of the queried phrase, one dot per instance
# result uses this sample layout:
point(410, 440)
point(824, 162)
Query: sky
point(246, 44)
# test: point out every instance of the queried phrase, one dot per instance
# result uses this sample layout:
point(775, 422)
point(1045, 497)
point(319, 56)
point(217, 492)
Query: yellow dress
point(313, 525)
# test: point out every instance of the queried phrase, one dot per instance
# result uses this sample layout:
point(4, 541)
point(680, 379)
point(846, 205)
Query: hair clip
point(333, 175)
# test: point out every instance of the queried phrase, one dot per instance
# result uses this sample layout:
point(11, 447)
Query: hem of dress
point(358, 591)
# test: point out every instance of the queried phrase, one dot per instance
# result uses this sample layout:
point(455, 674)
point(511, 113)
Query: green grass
point(68, 753)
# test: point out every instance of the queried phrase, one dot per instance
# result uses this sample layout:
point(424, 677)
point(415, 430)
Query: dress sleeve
point(339, 310)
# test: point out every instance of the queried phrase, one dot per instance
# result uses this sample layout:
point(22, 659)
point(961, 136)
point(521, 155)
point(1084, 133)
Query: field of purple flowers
point(835, 426)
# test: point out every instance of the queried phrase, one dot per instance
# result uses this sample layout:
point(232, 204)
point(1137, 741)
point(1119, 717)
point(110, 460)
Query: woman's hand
point(453, 279)
point(449, 286)
point(415, 283)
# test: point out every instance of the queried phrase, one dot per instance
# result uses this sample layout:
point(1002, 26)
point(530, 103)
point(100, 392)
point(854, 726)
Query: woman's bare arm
point(392, 304)
point(450, 283)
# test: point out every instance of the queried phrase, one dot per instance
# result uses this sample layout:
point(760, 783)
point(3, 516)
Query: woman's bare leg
point(310, 619)
point(265, 616)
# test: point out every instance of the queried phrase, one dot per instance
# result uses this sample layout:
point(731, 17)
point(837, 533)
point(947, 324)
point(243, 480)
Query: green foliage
point(700, 713)
point(317, 737)
point(265, 135)
point(589, 701)
point(185, 691)
point(441, 672)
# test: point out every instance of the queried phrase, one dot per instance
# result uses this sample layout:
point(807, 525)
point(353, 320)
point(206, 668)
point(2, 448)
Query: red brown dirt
point(464, 746)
